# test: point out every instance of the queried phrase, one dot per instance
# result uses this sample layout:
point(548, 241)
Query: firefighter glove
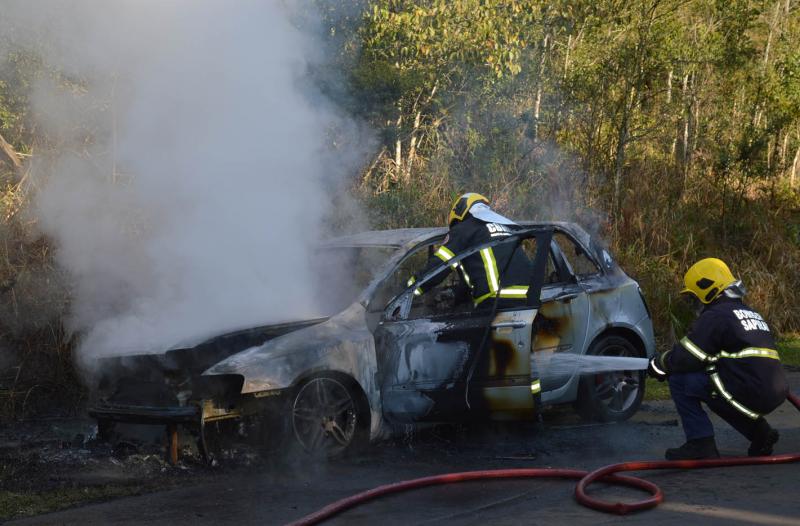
point(656, 369)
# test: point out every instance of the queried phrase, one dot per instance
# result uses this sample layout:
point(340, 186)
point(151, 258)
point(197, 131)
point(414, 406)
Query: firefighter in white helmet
point(501, 272)
point(727, 361)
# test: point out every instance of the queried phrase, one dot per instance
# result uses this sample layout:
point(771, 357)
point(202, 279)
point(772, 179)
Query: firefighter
point(502, 271)
point(727, 360)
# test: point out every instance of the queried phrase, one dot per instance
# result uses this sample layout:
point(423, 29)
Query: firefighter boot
point(695, 449)
point(764, 437)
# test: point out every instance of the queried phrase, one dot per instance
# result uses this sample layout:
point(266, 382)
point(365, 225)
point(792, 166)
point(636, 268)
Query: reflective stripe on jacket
point(734, 345)
point(494, 271)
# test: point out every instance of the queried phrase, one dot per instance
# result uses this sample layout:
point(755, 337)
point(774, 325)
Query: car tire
point(611, 396)
point(329, 416)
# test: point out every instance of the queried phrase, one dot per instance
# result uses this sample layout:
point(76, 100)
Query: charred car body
point(388, 357)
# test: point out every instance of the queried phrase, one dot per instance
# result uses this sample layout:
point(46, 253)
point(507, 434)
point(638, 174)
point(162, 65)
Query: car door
point(435, 366)
point(563, 319)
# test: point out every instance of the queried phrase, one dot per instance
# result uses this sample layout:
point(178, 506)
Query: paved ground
point(745, 495)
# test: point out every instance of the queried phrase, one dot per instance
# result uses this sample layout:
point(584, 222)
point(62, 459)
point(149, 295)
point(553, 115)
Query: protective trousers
point(688, 390)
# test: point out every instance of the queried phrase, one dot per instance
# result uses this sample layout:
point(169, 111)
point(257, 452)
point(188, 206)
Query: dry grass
point(36, 370)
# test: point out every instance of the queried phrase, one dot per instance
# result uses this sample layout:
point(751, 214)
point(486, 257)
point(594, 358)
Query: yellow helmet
point(707, 279)
point(462, 205)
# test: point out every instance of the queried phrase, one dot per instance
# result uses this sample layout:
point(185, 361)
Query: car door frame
point(451, 395)
point(562, 325)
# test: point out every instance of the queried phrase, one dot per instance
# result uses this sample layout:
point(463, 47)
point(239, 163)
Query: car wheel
point(329, 416)
point(611, 396)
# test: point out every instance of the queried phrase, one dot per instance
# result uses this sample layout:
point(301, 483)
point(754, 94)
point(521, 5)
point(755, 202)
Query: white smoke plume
point(197, 168)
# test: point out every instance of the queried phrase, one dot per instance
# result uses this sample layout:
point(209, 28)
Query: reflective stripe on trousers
point(720, 388)
point(748, 352)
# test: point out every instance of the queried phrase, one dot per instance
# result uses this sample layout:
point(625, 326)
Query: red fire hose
point(606, 474)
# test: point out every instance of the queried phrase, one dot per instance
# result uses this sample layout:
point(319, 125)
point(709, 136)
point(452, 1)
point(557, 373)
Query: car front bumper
point(143, 414)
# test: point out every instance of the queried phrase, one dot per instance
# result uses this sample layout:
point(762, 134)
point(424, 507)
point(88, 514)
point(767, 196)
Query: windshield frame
point(402, 304)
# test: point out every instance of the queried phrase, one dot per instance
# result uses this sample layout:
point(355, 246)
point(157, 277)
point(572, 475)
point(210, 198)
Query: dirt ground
point(134, 486)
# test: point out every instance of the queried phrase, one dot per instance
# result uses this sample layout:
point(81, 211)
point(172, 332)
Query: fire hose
point(606, 474)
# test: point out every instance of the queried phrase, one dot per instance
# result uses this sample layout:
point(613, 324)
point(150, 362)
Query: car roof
point(402, 237)
point(399, 237)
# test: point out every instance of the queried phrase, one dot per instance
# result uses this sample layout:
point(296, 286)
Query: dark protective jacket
point(734, 345)
point(503, 270)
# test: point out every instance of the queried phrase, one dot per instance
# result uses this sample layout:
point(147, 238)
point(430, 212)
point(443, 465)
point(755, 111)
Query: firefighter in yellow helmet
point(501, 272)
point(728, 361)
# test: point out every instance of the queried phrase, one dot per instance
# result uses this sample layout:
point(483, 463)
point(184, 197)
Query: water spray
point(567, 364)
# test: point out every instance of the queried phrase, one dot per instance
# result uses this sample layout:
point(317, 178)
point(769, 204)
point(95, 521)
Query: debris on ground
point(54, 464)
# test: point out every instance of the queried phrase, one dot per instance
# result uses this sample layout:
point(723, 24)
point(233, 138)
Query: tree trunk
point(622, 143)
point(415, 131)
point(365, 179)
point(769, 154)
point(560, 109)
point(766, 48)
point(539, 86)
point(774, 26)
point(694, 125)
point(794, 167)
point(684, 138)
point(619, 163)
point(398, 147)
point(10, 154)
point(784, 147)
point(674, 146)
point(412, 148)
point(669, 87)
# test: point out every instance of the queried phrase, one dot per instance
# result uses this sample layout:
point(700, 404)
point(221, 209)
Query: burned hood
point(194, 359)
point(275, 364)
point(233, 334)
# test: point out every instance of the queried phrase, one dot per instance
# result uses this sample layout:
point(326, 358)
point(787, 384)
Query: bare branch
point(10, 153)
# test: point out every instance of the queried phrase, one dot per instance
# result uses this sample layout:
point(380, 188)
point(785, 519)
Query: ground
point(135, 486)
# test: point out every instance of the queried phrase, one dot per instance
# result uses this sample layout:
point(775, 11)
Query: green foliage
point(669, 127)
point(416, 60)
point(789, 349)
point(655, 390)
point(447, 39)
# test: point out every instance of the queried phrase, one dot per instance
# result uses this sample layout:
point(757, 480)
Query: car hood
point(194, 359)
point(277, 362)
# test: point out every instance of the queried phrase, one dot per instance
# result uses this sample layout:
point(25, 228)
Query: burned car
point(390, 358)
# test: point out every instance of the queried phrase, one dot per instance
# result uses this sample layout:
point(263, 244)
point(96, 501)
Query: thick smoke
point(197, 168)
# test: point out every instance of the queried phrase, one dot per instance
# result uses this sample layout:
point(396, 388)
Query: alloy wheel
point(324, 416)
point(617, 390)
